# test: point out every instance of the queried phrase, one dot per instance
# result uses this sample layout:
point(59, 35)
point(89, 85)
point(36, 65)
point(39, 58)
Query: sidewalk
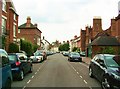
point(86, 60)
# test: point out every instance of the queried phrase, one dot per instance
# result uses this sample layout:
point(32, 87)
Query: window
point(15, 17)
point(5, 60)
point(18, 30)
point(4, 5)
point(3, 26)
point(38, 41)
point(14, 30)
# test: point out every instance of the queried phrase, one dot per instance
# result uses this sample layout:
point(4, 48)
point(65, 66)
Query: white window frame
point(4, 23)
point(14, 30)
point(4, 5)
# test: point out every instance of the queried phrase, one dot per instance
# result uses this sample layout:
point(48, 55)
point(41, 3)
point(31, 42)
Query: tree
point(26, 46)
point(64, 47)
point(13, 48)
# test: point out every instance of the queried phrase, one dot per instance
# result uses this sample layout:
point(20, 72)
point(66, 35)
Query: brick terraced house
point(30, 32)
point(9, 23)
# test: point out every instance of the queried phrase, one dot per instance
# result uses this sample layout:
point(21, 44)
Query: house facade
point(9, 24)
point(30, 32)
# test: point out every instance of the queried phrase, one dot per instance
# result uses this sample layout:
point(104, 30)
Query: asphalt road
point(57, 71)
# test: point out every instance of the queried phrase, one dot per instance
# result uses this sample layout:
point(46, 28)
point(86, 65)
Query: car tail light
point(18, 63)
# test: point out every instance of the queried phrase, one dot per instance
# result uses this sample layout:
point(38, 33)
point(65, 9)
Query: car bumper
point(15, 72)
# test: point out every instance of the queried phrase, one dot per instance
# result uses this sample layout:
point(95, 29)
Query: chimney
point(35, 25)
point(28, 21)
point(118, 7)
point(75, 36)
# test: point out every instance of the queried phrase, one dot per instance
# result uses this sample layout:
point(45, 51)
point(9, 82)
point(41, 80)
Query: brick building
point(30, 32)
point(9, 25)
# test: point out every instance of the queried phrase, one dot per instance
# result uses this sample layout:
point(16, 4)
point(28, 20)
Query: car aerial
point(106, 68)
point(20, 65)
point(38, 57)
point(5, 71)
point(74, 56)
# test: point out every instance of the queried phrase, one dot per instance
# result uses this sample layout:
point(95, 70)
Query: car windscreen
point(112, 61)
point(12, 57)
point(75, 54)
point(38, 54)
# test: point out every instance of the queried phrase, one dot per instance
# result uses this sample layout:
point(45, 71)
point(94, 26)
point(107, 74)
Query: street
point(57, 71)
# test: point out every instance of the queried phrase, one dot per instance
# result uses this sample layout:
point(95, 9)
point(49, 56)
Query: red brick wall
point(118, 29)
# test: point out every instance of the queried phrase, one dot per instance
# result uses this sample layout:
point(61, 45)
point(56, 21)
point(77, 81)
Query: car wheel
point(90, 73)
point(105, 84)
point(8, 84)
point(21, 75)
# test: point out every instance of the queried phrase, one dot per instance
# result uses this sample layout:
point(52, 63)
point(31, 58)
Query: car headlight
point(116, 76)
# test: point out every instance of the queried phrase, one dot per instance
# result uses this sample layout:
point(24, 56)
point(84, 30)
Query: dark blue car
point(5, 70)
point(20, 65)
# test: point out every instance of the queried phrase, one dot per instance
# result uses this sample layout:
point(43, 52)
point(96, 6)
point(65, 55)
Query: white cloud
point(62, 19)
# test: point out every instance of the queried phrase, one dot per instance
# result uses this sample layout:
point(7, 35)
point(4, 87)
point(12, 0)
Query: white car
point(37, 57)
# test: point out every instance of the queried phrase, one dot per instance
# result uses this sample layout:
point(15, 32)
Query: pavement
point(86, 60)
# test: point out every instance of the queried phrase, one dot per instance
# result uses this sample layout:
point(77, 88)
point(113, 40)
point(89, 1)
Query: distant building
point(9, 25)
point(30, 32)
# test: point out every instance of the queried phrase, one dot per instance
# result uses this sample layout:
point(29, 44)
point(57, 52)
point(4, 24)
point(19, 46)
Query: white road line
point(29, 81)
point(90, 87)
point(24, 87)
point(35, 72)
point(85, 82)
point(77, 72)
point(38, 70)
point(81, 77)
point(33, 76)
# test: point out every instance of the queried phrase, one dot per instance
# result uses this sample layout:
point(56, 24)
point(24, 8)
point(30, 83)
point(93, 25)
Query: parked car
point(5, 71)
point(74, 56)
point(82, 54)
point(106, 68)
point(65, 53)
point(43, 53)
point(20, 65)
point(37, 57)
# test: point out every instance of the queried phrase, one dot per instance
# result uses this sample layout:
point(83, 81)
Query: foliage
point(64, 47)
point(26, 46)
point(2, 41)
point(76, 49)
point(107, 50)
point(13, 48)
point(35, 47)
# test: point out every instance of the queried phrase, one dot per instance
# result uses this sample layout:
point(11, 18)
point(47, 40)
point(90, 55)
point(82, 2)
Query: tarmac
point(86, 60)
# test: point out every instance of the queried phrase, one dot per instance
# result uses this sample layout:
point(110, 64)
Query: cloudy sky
point(62, 19)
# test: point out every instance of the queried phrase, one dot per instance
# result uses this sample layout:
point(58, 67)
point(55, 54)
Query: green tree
point(13, 48)
point(64, 47)
point(26, 46)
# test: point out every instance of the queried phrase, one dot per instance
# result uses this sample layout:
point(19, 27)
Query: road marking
point(38, 70)
point(81, 77)
point(90, 87)
point(35, 72)
point(29, 81)
point(24, 87)
point(85, 82)
point(33, 76)
point(77, 72)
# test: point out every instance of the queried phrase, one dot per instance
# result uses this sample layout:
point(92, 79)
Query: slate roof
point(24, 26)
point(105, 41)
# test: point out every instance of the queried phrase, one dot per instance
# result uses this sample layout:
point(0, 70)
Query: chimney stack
point(28, 21)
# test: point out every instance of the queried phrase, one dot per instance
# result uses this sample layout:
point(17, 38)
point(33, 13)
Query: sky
point(63, 19)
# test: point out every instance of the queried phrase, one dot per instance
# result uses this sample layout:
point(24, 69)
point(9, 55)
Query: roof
point(105, 41)
point(24, 26)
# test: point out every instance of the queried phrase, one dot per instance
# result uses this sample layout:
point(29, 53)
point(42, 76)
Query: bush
point(13, 48)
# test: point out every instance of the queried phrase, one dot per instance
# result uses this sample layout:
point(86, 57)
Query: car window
point(5, 59)
point(12, 57)
point(112, 61)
